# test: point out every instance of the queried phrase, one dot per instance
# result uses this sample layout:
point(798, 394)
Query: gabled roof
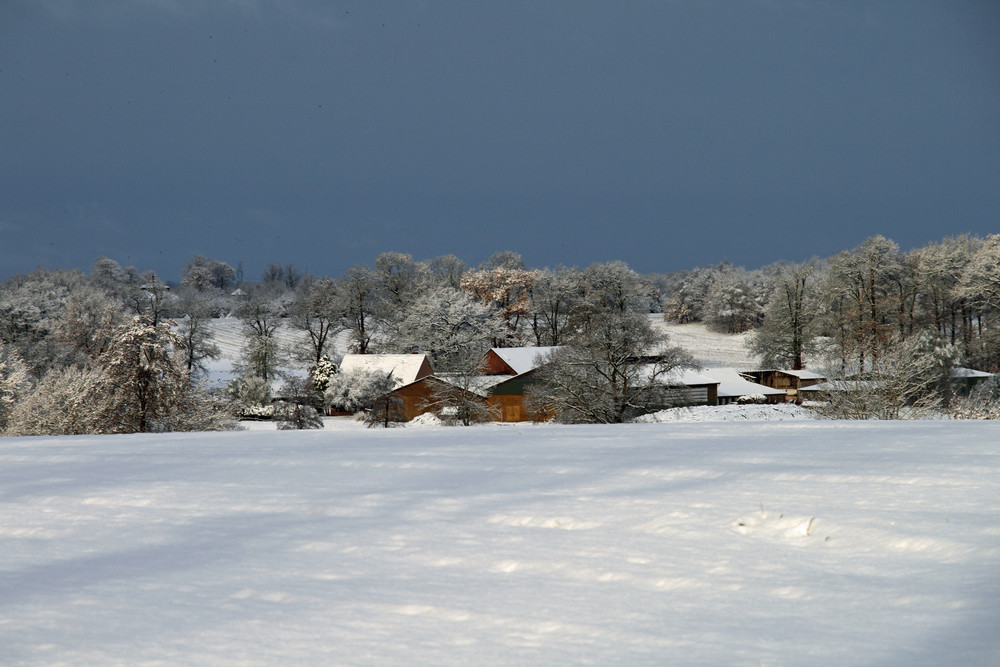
point(804, 374)
point(733, 385)
point(521, 359)
point(405, 368)
point(841, 385)
point(688, 377)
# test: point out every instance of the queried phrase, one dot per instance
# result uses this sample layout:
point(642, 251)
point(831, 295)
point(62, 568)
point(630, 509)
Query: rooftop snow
point(522, 359)
point(405, 368)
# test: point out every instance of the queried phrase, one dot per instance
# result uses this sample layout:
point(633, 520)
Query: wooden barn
point(788, 381)
point(509, 372)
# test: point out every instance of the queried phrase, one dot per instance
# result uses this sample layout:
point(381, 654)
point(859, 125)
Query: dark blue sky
point(667, 134)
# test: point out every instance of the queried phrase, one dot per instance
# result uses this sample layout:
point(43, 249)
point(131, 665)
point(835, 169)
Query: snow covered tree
point(444, 271)
point(292, 415)
point(460, 398)
point(859, 291)
point(555, 295)
point(322, 374)
point(397, 277)
point(261, 310)
point(65, 402)
point(451, 327)
point(15, 381)
point(912, 381)
point(278, 276)
point(788, 331)
point(298, 409)
point(149, 297)
point(983, 402)
point(251, 395)
point(614, 287)
point(979, 288)
point(135, 385)
point(197, 343)
point(143, 381)
point(205, 274)
point(687, 300)
point(361, 306)
point(455, 331)
point(507, 291)
point(610, 372)
point(731, 305)
point(108, 275)
point(353, 392)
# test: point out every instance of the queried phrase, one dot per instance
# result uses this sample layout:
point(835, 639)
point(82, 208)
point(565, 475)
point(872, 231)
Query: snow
point(802, 542)
point(404, 368)
point(721, 413)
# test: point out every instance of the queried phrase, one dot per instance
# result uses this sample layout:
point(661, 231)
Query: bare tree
point(317, 310)
point(608, 373)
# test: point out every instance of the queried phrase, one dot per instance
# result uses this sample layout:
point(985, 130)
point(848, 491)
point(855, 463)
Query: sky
point(668, 134)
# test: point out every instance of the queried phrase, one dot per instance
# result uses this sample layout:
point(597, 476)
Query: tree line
point(118, 350)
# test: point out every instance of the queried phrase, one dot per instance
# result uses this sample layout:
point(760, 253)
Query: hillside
point(708, 348)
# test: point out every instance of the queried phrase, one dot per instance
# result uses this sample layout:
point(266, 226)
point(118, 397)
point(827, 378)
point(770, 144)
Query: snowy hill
point(227, 333)
point(811, 542)
point(708, 347)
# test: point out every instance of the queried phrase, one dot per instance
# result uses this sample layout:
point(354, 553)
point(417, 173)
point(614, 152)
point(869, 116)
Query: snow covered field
point(794, 543)
point(709, 348)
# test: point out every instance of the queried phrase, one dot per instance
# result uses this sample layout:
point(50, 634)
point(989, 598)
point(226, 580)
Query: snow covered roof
point(521, 359)
point(732, 384)
point(804, 374)
point(841, 385)
point(405, 368)
point(688, 376)
point(969, 373)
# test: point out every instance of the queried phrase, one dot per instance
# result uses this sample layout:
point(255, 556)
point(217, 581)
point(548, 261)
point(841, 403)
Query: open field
point(796, 543)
